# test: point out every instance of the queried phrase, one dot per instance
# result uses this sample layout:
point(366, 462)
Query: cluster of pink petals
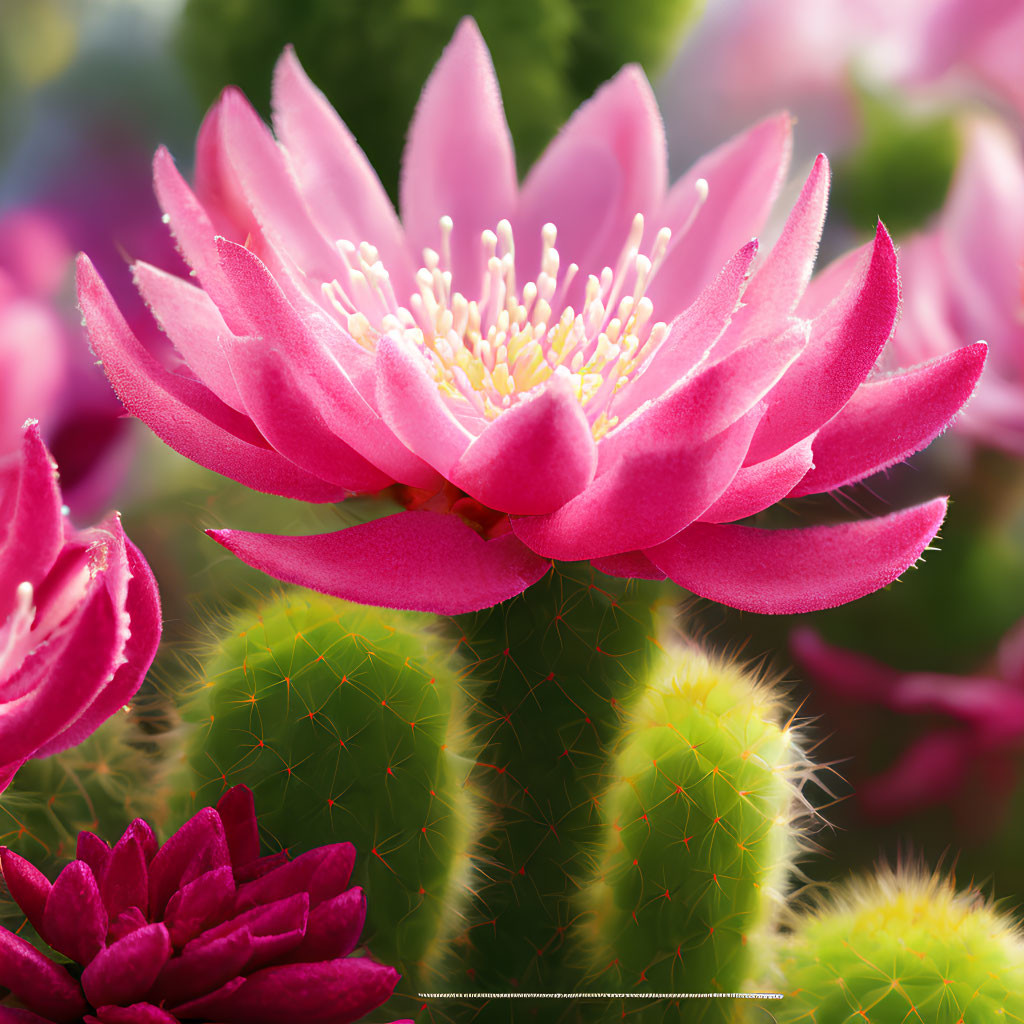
point(46, 371)
point(199, 929)
point(79, 610)
point(664, 383)
point(965, 278)
point(973, 745)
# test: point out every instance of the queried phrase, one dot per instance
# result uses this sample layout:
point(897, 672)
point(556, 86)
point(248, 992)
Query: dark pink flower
point(624, 398)
point(965, 279)
point(80, 614)
point(975, 728)
point(199, 929)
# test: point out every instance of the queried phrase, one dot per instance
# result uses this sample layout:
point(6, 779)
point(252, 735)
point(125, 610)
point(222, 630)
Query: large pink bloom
point(80, 614)
point(965, 278)
point(973, 727)
point(624, 397)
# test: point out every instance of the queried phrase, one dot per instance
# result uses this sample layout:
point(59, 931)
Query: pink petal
point(27, 885)
point(417, 560)
point(188, 846)
point(34, 526)
point(203, 968)
point(644, 499)
point(532, 458)
point(780, 281)
point(759, 486)
point(890, 418)
point(12, 1015)
point(297, 876)
point(744, 176)
point(782, 572)
point(848, 675)
point(125, 971)
point(126, 882)
point(237, 810)
point(329, 992)
point(333, 928)
point(333, 173)
point(45, 987)
point(183, 413)
point(74, 919)
point(413, 408)
point(275, 930)
point(95, 852)
point(458, 161)
point(612, 148)
point(189, 317)
point(630, 565)
point(846, 340)
point(201, 904)
point(691, 335)
point(137, 1013)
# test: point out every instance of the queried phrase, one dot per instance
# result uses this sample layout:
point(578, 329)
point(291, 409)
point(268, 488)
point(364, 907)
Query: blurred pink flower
point(964, 279)
point(80, 612)
point(976, 732)
point(623, 398)
point(48, 373)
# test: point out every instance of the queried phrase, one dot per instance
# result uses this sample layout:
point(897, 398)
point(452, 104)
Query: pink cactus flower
point(200, 929)
point(80, 613)
point(965, 279)
point(624, 397)
point(48, 373)
point(973, 747)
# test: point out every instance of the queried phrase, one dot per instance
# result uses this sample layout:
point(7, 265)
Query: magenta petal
point(74, 919)
point(329, 992)
point(743, 176)
point(94, 852)
point(333, 928)
point(202, 968)
point(137, 1013)
point(201, 904)
point(128, 921)
point(125, 971)
point(183, 413)
point(534, 457)
point(126, 882)
point(237, 810)
point(143, 832)
point(260, 867)
point(274, 930)
point(677, 483)
point(782, 572)
point(417, 560)
point(28, 886)
point(889, 419)
point(44, 987)
point(846, 340)
point(188, 847)
point(759, 486)
point(848, 675)
point(630, 565)
point(34, 526)
point(330, 865)
point(333, 173)
point(11, 1015)
point(458, 160)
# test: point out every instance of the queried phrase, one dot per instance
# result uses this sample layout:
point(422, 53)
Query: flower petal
point(186, 848)
point(126, 881)
point(137, 1013)
point(743, 177)
point(782, 572)
point(630, 565)
point(44, 987)
point(759, 486)
point(458, 161)
point(237, 810)
point(848, 675)
point(27, 885)
point(846, 340)
point(889, 419)
point(202, 904)
point(183, 413)
point(612, 149)
point(532, 458)
point(124, 972)
point(418, 560)
point(333, 173)
point(74, 919)
point(333, 928)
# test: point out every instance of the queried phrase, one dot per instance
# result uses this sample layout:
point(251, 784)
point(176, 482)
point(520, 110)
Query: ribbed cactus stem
point(700, 806)
point(346, 723)
point(902, 946)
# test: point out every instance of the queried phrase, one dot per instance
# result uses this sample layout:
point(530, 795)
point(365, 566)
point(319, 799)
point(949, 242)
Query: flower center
point(490, 351)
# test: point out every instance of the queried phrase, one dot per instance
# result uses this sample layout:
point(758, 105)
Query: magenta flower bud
point(80, 614)
point(200, 929)
point(590, 366)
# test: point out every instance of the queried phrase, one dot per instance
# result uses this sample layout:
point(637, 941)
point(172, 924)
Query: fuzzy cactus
point(901, 946)
point(345, 721)
point(699, 809)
